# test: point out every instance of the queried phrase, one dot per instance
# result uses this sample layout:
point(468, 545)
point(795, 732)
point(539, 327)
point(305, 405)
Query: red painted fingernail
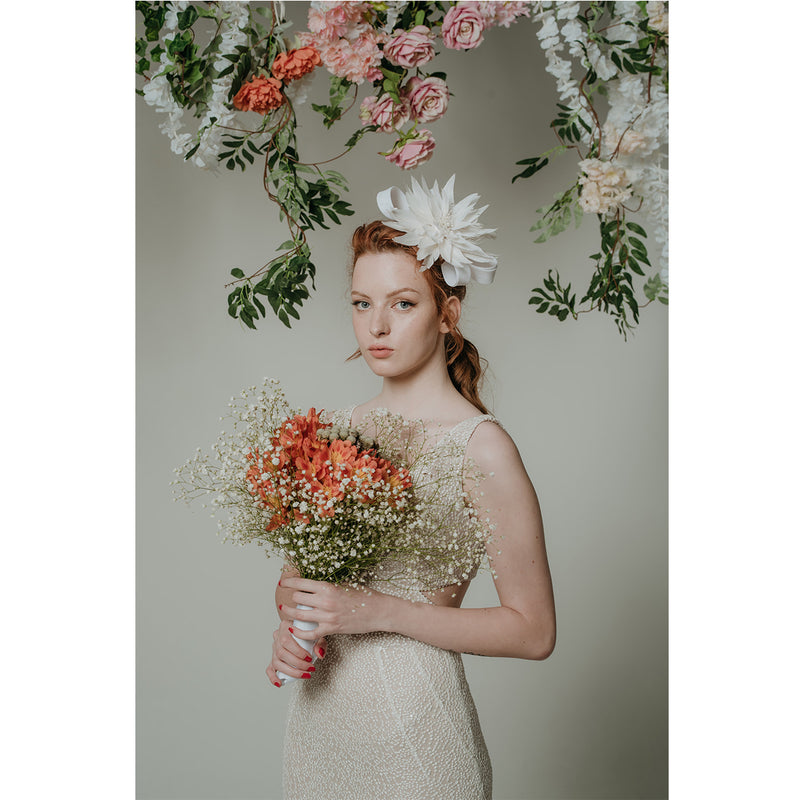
point(312, 669)
point(278, 684)
point(308, 658)
point(279, 583)
point(321, 651)
point(291, 630)
point(280, 606)
point(305, 675)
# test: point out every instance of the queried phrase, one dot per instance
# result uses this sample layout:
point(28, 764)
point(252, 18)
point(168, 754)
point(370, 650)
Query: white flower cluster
point(219, 114)
point(635, 129)
point(605, 185)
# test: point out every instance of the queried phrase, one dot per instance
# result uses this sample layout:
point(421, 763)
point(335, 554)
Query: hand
point(335, 609)
point(289, 657)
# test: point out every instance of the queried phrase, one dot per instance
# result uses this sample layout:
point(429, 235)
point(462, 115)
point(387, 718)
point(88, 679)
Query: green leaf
point(237, 273)
point(633, 264)
point(632, 226)
point(535, 166)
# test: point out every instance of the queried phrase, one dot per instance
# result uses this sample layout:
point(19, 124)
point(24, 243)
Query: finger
point(321, 647)
point(306, 636)
point(286, 668)
point(302, 584)
point(311, 614)
point(271, 674)
point(290, 645)
point(302, 662)
point(284, 614)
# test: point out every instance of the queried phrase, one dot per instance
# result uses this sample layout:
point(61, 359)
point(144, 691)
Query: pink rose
point(414, 152)
point(462, 28)
point(410, 48)
point(427, 98)
point(383, 112)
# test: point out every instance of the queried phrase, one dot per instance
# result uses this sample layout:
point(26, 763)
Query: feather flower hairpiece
point(439, 227)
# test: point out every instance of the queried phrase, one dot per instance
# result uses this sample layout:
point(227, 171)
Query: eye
point(360, 304)
point(404, 305)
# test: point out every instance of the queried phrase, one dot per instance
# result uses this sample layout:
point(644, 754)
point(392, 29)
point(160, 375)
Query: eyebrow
point(391, 294)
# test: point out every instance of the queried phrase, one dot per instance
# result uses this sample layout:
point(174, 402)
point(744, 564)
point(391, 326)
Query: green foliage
point(337, 94)
point(535, 164)
point(393, 77)
point(241, 148)
point(611, 288)
point(556, 218)
point(568, 123)
point(308, 198)
point(283, 286)
point(554, 299)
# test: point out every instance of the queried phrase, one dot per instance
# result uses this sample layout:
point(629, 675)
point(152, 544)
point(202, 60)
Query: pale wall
point(587, 410)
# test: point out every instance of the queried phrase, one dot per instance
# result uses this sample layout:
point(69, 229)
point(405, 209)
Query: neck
point(417, 395)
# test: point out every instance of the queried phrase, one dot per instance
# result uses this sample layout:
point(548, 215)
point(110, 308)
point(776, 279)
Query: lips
point(379, 351)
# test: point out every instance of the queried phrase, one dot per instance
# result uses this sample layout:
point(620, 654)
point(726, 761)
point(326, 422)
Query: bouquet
point(337, 504)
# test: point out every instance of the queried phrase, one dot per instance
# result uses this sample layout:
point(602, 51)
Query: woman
point(386, 711)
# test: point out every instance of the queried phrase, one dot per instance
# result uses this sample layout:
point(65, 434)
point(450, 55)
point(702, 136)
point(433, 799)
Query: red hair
point(464, 365)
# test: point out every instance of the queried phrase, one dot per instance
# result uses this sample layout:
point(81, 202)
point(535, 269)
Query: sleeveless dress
point(386, 717)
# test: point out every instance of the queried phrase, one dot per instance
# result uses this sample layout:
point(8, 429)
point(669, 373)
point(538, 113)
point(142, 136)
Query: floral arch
point(213, 68)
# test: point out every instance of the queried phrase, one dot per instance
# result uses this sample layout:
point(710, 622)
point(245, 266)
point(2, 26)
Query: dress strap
point(462, 431)
point(343, 416)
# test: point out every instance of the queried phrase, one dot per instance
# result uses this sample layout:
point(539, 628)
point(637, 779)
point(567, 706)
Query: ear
point(450, 315)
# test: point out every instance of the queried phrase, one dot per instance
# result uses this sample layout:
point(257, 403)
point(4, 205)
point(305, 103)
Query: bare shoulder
point(492, 448)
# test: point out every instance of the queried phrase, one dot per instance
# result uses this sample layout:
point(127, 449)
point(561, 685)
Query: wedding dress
point(386, 717)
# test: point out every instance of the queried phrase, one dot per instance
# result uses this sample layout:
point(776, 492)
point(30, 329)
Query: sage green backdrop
point(588, 412)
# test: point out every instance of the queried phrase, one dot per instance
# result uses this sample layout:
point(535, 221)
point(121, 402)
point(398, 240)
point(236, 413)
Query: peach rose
point(261, 95)
point(357, 60)
point(331, 21)
point(410, 48)
point(414, 152)
point(294, 64)
point(427, 98)
point(462, 27)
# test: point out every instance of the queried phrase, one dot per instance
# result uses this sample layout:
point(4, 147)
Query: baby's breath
point(356, 506)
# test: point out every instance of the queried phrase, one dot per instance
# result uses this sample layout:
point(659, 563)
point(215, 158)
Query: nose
point(378, 324)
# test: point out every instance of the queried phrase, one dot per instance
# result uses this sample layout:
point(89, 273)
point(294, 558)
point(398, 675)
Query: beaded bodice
point(440, 471)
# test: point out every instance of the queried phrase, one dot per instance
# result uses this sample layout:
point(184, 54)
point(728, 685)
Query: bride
point(384, 711)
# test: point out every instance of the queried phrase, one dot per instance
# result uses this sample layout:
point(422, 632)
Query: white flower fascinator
point(438, 226)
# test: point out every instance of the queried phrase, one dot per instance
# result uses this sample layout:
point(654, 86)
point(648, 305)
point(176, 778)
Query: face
point(397, 326)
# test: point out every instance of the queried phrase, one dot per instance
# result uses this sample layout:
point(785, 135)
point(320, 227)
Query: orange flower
point(261, 95)
point(294, 64)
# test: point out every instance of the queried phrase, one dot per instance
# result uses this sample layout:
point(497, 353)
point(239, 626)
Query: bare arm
point(522, 626)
